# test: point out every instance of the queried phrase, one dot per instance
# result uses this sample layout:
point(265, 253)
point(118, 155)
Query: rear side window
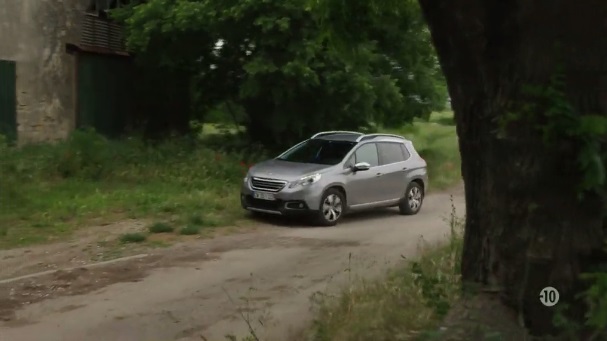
point(405, 151)
point(390, 153)
point(367, 153)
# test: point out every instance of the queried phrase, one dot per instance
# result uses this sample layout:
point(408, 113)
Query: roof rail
point(371, 136)
point(323, 133)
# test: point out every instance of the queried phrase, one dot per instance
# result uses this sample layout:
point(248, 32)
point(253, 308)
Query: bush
point(133, 238)
point(190, 230)
point(160, 228)
point(408, 300)
point(85, 154)
point(11, 175)
point(61, 185)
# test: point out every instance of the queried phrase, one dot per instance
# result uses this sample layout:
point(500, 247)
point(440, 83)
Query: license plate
point(263, 196)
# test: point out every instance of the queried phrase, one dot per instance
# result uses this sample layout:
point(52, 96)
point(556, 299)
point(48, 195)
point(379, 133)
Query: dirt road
point(197, 290)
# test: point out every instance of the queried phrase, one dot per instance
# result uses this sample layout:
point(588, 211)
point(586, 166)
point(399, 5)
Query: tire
point(413, 200)
point(332, 207)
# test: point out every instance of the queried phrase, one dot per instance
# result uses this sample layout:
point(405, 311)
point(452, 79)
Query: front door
point(104, 93)
point(362, 186)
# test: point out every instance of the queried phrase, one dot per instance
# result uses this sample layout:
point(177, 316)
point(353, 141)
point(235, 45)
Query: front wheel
point(332, 207)
point(412, 202)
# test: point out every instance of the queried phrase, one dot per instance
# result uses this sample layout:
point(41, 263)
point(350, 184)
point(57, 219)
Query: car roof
point(338, 137)
point(353, 136)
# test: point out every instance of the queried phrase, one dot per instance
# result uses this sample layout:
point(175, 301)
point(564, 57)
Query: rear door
point(393, 170)
point(361, 186)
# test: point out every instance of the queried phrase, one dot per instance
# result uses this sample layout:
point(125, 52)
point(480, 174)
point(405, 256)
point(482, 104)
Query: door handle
point(405, 168)
point(378, 174)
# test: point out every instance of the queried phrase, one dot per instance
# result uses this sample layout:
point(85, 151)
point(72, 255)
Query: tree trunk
point(526, 229)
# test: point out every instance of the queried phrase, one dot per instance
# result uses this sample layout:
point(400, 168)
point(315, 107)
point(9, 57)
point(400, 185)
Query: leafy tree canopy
point(275, 60)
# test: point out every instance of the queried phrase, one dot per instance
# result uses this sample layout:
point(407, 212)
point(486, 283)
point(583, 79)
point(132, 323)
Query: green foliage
point(180, 180)
point(276, 64)
point(548, 110)
point(432, 288)
point(47, 190)
point(400, 305)
point(160, 228)
point(437, 143)
point(436, 286)
point(132, 238)
point(10, 195)
point(85, 154)
point(190, 230)
point(596, 298)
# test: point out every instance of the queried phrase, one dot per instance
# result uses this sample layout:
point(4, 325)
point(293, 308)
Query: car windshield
point(319, 151)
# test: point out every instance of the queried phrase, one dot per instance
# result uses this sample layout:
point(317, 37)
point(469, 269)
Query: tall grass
point(48, 190)
point(436, 141)
point(403, 305)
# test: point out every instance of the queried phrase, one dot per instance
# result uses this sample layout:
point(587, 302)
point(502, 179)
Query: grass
point(190, 230)
point(133, 238)
point(436, 141)
point(402, 306)
point(47, 191)
point(160, 228)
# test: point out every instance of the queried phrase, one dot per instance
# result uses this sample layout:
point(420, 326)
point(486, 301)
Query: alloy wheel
point(414, 198)
point(332, 207)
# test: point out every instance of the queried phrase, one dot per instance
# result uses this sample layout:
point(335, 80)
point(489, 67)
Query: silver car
point(335, 172)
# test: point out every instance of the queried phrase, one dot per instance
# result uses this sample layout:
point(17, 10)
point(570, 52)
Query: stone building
point(62, 65)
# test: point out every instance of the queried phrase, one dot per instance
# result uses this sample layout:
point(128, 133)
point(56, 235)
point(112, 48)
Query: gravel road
point(201, 290)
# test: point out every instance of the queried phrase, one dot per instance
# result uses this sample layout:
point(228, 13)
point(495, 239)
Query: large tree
point(534, 70)
point(528, 84)
point(273, 60)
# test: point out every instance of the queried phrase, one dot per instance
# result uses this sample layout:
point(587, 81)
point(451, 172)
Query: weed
point(246, 316)
point(197, 220)
point(190, 230)
point(409, 300)
point(132, 238)
point(160, 228)
point(48, 190)
point(209, 220)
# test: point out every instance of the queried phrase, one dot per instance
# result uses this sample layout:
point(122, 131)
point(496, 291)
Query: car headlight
point(246, 179)
point(306, 180)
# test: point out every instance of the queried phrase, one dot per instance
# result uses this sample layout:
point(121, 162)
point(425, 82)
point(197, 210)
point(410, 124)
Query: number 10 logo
point(549, 296)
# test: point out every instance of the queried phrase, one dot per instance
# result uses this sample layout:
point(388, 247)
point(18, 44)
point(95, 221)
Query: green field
point(49, 191)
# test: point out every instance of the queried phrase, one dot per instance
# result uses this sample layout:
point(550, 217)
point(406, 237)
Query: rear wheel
point(413, 200)
point(332, 207)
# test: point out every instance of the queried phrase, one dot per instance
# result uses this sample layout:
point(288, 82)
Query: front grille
point(268, 185)
point(274, 205)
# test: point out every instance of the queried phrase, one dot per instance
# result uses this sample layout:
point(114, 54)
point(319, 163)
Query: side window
point(367, 153)
point(390, 153)
point(405, 151)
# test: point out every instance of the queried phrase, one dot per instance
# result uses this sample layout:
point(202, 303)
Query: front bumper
point(288, 201)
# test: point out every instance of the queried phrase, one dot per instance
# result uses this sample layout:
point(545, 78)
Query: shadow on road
point(304, 222)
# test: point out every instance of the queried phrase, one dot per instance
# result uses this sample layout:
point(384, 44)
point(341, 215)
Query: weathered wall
point(34, 33)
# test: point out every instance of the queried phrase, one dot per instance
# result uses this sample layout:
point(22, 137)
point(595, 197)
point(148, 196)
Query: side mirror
point(361, 166)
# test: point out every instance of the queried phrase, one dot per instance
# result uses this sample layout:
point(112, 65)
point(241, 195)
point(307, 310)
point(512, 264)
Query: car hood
point(284, 170)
